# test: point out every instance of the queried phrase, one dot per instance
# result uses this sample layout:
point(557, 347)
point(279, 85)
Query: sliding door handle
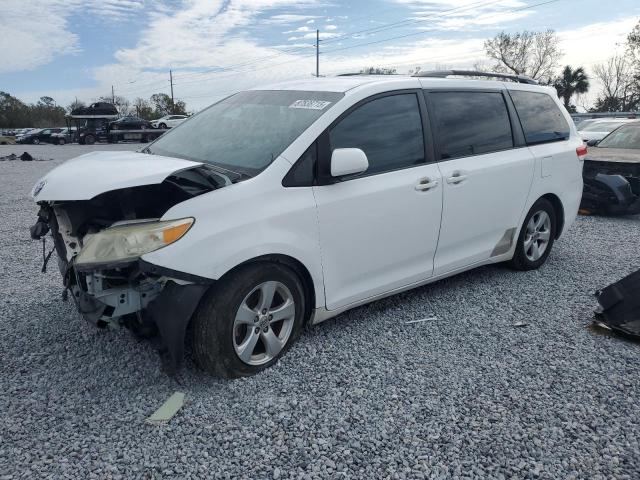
point(456, 178)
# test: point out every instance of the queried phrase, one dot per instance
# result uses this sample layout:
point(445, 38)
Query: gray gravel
point(467, 394)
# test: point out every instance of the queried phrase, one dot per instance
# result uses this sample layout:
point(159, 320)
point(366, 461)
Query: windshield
point(247, 131)
point(624, 137)
point(602, 126)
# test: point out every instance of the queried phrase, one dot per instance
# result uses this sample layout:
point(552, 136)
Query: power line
point(422, 32)
point(431, 30)
point(373, 30)
point(225, 74)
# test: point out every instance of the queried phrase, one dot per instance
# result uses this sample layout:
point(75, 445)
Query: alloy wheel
point(537, 235)
point(263, 323)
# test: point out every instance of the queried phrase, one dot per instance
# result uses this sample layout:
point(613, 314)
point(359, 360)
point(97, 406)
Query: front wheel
point(536, 237)
point(162, 125)
point(36, 141)
point(61, 141)
point(248, 321)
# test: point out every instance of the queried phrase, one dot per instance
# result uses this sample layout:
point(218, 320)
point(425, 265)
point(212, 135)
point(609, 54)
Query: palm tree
point(571, 82)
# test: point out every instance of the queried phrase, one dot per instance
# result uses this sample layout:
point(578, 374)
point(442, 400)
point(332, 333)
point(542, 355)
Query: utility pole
point(317, 53)
point(113, 96)
point(171, 82)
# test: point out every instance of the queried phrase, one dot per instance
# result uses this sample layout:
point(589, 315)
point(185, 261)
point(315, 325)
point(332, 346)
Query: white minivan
point(287, 205)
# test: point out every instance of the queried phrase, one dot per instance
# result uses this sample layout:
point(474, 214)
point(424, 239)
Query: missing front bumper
point(140, 295)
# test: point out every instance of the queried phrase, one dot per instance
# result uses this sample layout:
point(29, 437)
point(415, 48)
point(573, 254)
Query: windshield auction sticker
point(310, 104)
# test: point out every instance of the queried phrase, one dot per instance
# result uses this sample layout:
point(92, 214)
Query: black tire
point(213, 321)
point(36, 141)
point(89, 140)
point(162, 125)
point(61, 141)
point(521, 260)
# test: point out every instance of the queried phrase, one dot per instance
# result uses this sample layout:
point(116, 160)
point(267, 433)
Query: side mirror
point(347, 161)
point(592, 143)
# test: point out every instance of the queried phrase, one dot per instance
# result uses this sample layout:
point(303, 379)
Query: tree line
point(537, 55)
point(46, 113)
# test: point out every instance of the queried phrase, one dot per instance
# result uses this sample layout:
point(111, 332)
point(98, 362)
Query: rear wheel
point(61, 141)
point(536, 238)
point(89, 140)
point(249, 321)
point(162, 125)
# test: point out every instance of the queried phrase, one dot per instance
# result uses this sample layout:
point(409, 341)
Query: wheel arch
point(294, 264)
point(559, 210)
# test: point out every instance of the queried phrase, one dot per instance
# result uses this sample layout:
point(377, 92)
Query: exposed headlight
point(128, 242)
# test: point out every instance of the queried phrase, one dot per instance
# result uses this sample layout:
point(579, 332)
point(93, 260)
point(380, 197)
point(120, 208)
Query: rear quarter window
point(541, 118)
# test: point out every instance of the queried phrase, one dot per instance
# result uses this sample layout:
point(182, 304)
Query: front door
point(487, 175)
point(379, 230)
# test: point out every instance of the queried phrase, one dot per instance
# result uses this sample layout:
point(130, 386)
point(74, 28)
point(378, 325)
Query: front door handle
point(456, 177)
point(426, 184)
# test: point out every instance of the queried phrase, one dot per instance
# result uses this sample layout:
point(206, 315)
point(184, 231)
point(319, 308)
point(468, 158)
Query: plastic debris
point(421, 320)
point(167, 410)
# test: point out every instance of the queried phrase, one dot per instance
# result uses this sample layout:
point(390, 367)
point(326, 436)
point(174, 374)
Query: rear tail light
point(581, 152)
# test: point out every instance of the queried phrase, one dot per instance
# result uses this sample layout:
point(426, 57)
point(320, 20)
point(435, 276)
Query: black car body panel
point(611, 181)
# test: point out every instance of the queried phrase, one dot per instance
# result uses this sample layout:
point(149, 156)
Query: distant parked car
point(65, 136)
point(38, 136)
point(130, 123)
point(169, 121)
point(599, 129)
point(98, 108)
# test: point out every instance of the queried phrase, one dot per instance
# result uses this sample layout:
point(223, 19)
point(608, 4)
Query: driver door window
point(388, 130)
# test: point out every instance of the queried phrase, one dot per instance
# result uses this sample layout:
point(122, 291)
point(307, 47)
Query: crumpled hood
point(625, 155)
point(86, 176)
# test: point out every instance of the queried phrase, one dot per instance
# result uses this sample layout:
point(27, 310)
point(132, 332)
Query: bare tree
point(121, 103)
point(535, 54)
point(378, 71)
point(619, 84)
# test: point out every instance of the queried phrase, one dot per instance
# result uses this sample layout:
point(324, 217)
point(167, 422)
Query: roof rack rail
point(472, 73)
point(366, 74)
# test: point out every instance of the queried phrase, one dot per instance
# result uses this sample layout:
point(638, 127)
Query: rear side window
point(388, 130)
point(541, 119)
point(470, 123)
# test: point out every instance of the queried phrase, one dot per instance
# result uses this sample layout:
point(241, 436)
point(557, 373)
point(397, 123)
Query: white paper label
point(310, 104)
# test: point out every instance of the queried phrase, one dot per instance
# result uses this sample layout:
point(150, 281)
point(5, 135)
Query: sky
point(71, 49)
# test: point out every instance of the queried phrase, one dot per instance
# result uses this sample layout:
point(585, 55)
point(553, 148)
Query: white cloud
point(291, 18)
point(36, 32)
point(212, 54)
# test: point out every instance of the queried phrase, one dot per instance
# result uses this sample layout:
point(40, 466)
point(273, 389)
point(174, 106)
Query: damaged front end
point(611, 187)
point(100, 243)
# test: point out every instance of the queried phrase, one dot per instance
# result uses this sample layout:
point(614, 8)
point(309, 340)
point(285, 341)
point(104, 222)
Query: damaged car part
point(619, 306)
point(611, 174)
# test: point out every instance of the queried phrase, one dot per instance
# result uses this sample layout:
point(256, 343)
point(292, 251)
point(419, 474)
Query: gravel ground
point(467, 394)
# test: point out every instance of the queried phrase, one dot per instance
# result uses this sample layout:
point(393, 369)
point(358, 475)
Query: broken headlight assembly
point(123, 243)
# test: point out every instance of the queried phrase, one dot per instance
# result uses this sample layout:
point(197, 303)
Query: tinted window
point(387, 129)
point(471, 123)
point(541, 119)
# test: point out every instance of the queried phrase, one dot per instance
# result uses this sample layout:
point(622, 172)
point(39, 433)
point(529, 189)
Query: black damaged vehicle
point(612, 173)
